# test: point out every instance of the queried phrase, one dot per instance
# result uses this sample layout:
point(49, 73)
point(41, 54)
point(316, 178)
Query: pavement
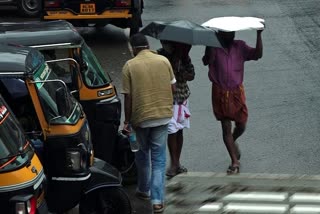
point(217, 193)
point(138, 206)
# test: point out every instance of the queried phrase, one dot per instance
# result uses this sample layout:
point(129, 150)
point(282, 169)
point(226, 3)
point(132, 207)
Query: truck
point(120, 13)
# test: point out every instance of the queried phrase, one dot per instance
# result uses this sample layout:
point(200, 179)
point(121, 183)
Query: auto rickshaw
point(22, 179)
point(92, 86)
point(58, 126)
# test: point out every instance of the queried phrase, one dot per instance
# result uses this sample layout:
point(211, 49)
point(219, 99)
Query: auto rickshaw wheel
point(109, 200)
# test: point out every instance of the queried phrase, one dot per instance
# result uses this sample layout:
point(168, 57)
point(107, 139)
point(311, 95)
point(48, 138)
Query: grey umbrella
point(183, 31)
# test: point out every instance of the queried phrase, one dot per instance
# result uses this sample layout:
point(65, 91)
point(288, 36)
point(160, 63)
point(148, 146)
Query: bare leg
point(173, 150)
point(175, 143)
point(179, 145)
point(229, 142)
point(238, 130)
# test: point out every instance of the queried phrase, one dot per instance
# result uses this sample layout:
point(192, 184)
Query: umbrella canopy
point(235, 23)
point(182, 31)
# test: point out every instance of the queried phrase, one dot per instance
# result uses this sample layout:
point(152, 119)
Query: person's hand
point(126, 128)
point(205, 60)
point(188, 76)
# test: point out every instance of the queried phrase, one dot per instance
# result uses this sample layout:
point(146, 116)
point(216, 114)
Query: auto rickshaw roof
point(18, 61)
point(38, 33)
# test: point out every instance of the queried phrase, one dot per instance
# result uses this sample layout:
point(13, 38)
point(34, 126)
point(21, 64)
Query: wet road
point(282, 88)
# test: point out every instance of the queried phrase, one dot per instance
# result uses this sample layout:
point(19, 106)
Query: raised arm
point(259, 46)
point(206, 57)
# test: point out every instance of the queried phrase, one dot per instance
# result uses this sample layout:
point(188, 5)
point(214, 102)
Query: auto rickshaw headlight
point(76, 160)
point(105, 92)
point(24, 204)
point(21, 208)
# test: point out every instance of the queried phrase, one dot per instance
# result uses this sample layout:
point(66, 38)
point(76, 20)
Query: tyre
point(110, 200)
point(29, 8)
point(135, 23)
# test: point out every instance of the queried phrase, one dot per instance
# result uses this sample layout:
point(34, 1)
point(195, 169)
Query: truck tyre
point(29, 8)
point(135, 23)
point(109, 200)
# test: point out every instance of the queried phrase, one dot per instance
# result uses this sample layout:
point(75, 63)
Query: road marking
point(256, 208)
point(305, 209)
point(305, 197)
point(270, 202)
point(257, 196)
point(211, 207)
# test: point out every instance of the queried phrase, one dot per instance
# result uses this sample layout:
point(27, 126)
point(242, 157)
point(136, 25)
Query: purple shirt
point(226, 69)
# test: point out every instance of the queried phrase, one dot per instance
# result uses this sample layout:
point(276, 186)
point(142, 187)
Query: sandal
point(182, 169)
point(158, 208)
point(232, 170)
point(179, 170)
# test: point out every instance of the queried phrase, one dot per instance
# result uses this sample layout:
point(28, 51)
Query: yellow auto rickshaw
point(22, 178)
point(57, 126)
point(91, 85)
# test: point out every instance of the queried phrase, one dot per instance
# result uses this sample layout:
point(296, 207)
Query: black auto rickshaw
point(22, 179)
point(92, 86)
point(58, 127)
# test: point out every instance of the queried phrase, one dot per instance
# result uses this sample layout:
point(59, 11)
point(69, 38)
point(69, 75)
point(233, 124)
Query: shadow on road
point(11, 14)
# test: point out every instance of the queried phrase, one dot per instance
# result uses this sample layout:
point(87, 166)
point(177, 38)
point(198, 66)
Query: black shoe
point(142, 196)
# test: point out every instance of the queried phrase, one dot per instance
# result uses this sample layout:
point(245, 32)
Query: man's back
point(147, 77)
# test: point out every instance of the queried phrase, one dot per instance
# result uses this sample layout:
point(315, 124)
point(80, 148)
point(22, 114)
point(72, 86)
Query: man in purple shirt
point(226, 70)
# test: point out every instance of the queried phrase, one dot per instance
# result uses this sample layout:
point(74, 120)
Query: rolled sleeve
point(249, 53)
point(172, 76)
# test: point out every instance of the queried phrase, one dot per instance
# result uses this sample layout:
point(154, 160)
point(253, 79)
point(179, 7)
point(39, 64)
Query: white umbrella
point(235, 23)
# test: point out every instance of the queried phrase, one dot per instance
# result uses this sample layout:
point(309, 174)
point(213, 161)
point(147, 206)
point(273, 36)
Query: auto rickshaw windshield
point(14, 149)
point(93, 75)
point(48, 84)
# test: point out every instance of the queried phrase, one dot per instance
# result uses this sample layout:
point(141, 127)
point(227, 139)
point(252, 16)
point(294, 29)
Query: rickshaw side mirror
point(62, 101)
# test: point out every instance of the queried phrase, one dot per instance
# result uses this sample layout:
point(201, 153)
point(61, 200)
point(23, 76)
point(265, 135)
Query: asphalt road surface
point(282, 88)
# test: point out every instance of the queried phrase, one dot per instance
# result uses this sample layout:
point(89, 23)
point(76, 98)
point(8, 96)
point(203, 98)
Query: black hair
point(139, 41)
